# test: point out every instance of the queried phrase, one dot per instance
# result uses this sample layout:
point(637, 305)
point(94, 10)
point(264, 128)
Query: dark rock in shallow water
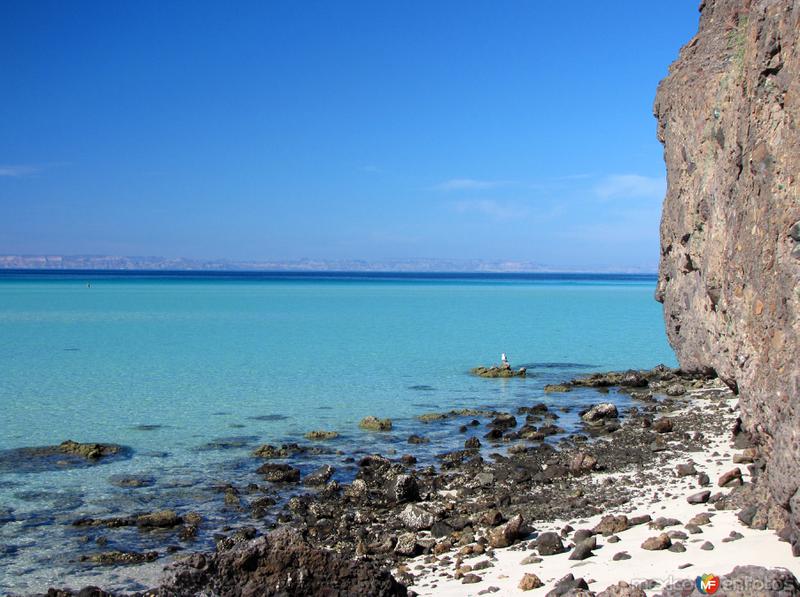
point(161, 519)
point(67, 454)
point(557, 387)
point(279, 473)
point(147, 427)
point(503, 421)
point(494, 435)
point(320, 476)
point(472, 443)
point(269, 418)
point(281, 563)
point(321, 435)
point(229, 443)
point(132, 481)
point(269, 451)
point(117, 558)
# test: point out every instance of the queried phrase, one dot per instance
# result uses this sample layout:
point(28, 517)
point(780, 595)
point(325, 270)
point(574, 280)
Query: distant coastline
point(288, 275)
point(83, 263)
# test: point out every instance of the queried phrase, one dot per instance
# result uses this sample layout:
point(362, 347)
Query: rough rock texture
point(729, 117)
point(280, 563)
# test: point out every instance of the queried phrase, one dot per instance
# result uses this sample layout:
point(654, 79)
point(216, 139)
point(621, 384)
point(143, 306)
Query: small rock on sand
point(611, 524)
point(730, 479)
point(621, 555)
point(549, 544)
point(470, 579)
point(662, 541)
point(529, 582)
point(699, 498)
point(622, 589)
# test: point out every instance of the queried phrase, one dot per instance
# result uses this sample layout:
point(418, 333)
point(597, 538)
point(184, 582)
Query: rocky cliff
point(729, 118)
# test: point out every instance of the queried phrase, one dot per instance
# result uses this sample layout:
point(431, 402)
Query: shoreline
point(734, 544)
point(432, 527)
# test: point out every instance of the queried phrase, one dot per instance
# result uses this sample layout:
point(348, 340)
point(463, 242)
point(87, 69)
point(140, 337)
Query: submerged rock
point(557, 387)
point(321, 435)
point(375, 424)
point(228, 443)
point(90, 451)
point(132, 481)
point(67, 454)
point(161, 519)
point(118, 558)
point(268, 451)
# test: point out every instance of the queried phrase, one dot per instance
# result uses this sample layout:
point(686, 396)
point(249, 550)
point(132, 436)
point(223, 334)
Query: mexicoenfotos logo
point(707, 584)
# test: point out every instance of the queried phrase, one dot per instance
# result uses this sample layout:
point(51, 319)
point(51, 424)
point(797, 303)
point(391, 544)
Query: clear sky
point(336, 129)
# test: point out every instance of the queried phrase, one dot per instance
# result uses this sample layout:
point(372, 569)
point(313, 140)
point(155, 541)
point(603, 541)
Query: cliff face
point(729, 118)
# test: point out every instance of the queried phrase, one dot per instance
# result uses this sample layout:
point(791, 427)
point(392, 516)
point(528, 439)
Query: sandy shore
point(666, 499)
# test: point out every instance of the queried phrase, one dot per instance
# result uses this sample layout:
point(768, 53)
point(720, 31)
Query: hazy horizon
point(422, 265)
point(355, 131)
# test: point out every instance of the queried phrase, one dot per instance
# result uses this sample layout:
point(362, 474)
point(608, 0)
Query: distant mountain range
point(111, 262)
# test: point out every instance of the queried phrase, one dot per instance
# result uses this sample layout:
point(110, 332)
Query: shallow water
point(191, 372)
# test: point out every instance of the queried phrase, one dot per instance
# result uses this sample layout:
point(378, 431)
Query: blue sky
point(339, 130)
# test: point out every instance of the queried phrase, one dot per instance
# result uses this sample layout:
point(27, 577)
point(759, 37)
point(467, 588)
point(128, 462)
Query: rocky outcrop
point(501, 371)
point(67, 454)
point(729, 118)
point(281, 563)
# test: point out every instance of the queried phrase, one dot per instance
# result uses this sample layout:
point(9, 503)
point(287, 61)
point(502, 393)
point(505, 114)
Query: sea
point(190, 371)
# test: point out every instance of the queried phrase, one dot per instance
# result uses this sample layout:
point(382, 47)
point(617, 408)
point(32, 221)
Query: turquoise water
point(264, 359)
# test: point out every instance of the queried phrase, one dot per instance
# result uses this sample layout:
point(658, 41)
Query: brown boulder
point(660, 542)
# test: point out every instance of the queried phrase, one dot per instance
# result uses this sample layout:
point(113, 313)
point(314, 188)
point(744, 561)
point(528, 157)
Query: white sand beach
point(755, 547)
